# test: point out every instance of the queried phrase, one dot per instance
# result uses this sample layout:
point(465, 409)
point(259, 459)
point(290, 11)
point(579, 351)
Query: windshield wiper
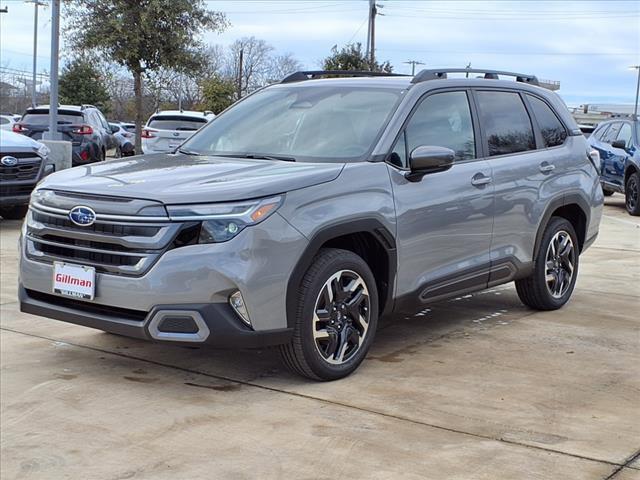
point(188, 152)
point(259, 156)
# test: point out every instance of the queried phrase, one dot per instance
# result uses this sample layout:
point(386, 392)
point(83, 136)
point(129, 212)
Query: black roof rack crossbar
point(435, 74)
point(311, 74)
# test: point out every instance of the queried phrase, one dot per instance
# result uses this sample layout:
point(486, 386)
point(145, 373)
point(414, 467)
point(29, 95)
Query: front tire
point(632, 194)
point(555, 268)
point(336, 317)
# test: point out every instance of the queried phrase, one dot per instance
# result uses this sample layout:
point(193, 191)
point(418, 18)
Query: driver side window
point(442, 120)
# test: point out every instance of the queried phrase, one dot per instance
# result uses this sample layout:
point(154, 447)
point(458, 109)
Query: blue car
point(618, 142)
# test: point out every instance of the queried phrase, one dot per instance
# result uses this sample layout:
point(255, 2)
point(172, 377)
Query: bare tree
point(255, 62)
point(282, 65)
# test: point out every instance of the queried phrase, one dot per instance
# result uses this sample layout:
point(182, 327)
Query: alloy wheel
point(560, 264)
point(341, 317)
point(632, 194)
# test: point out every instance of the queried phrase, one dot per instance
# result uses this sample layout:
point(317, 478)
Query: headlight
point(223, 221)
point(44, 151)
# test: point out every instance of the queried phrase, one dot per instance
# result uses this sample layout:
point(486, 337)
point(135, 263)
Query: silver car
point(313, 207)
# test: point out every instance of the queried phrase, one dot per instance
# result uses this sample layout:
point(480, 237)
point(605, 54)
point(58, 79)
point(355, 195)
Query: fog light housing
point(237, 303)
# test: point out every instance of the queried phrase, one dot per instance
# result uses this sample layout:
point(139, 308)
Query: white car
point(7, 121)
point(165, 131)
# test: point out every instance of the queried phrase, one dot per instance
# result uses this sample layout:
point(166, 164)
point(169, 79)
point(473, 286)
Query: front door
point(444, 219)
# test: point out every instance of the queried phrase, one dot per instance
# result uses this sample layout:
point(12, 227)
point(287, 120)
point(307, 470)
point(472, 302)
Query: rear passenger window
point(599, 134)
point(553, 132)
point(506, 123)
point(443, 120)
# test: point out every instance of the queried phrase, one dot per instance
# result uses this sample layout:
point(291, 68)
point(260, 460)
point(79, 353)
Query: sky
point(588, 45)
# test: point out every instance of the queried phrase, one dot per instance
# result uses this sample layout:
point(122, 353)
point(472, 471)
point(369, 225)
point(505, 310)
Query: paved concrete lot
point(475, 387)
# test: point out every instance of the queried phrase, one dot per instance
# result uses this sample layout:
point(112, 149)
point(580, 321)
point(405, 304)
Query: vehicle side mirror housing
point(619, 144)
point(429, 159)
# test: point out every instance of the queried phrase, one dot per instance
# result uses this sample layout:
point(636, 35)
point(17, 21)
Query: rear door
point(169, 131)
point(36, 121)
point(607, 154)
point(618, 156)
point(525, 168)
point(444, 219)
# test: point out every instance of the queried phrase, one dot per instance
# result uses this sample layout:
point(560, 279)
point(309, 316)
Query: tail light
point(19, 128)
point(84, 155)
point(83, 130)
point(147, 134)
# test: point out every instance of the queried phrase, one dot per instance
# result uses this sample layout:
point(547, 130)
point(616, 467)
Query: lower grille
point(16, 190)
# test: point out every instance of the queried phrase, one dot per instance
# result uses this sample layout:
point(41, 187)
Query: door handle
point(480, 179)
point(547, 167)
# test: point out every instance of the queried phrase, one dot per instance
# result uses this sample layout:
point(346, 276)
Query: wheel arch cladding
point(367, 238)
point(573, 208)
point(630, 170)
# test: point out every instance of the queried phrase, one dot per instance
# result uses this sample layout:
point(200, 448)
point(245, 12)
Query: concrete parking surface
point(475, 387)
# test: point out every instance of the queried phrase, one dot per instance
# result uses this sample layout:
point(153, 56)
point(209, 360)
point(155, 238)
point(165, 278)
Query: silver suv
point(313, 207)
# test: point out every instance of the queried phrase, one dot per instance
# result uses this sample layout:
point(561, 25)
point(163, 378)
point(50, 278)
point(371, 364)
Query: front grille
point(16, 190)
point(27, 168)
point(122, 245)
point(95, 308)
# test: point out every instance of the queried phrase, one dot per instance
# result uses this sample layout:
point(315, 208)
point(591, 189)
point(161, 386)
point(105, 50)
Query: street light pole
point(36, 4)
point(635, 109)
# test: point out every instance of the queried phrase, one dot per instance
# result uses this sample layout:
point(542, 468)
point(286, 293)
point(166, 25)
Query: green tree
point(142, 35)
point(351, 57)
point(81, 82)
point(218, 93)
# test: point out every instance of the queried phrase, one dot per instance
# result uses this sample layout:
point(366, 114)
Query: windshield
point(176, 123)
point(312, 123)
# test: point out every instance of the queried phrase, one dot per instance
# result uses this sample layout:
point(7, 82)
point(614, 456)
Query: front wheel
point(555, 269)
point(336, 317)
point(632, 194)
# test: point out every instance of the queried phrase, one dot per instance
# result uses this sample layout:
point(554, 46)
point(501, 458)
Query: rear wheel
point(632, 194)
point(555, 269)
point(14, 213)
point(607, 193)
point(336, 317)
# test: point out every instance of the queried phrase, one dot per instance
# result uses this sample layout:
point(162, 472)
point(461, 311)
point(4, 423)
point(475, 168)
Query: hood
point(178, 178)
point(10, 140)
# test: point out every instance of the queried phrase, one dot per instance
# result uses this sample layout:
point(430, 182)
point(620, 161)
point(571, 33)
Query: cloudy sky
point(588, 45)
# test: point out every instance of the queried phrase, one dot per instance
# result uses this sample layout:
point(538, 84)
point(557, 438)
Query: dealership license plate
point(75, 281)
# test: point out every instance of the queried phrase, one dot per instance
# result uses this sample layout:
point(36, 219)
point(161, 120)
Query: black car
point(84, 126)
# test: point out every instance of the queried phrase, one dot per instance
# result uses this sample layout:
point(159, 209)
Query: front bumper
point(221, 326)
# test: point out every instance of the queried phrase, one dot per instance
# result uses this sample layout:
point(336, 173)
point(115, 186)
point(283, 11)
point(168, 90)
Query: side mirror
point(619, 144)
point(427, 159)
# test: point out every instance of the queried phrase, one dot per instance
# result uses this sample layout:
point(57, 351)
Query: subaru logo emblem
point(9, 161)
point(83, 216)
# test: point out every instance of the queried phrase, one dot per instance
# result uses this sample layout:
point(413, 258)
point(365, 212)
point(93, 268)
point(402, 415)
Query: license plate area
point(75, 281)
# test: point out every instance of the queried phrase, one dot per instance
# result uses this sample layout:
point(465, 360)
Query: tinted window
point(612, 133)
point(176, 123)
point(599, 134)
point(443, 120)
point(42, 118)
point(506, 123)
point(553, 132)
point(399, 153)
point(625, 134)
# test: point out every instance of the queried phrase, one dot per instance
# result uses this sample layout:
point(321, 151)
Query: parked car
point(618, 142)
point(23, 163)
point(6, 122)
point(165, 131)
point(84, 126)
point(587, 130)
point(313, 207)
point(125, 138)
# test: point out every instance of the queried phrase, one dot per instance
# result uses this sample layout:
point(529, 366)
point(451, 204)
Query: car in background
point(84, 126)
point(125, 137)
point(618, 143)
point(23, 163)
point(587, 130)
point(6, 122)
point(165, 131)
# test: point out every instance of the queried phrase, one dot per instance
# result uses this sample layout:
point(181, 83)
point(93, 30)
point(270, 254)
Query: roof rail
point(86, 105)
point(311, 74)
point(435, 74)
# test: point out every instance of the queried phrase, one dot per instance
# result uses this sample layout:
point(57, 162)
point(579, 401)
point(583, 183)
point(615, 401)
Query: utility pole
point(52, 134)
point(180, 93)
point(36, 4)
point(370, 53)
point(413, 64)
point(240, 74)
point(635, 109)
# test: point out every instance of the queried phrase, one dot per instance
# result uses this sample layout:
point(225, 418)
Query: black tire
point(302, 355)
point(534, 291)
point(118, 152)
point(607, 193)
point(632, 194)
point(14, 213)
